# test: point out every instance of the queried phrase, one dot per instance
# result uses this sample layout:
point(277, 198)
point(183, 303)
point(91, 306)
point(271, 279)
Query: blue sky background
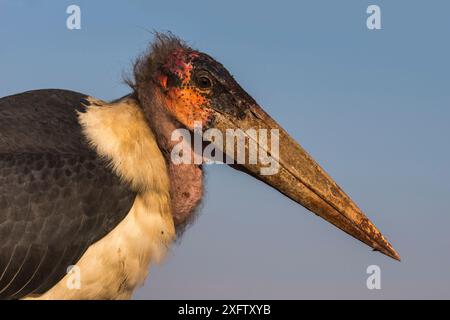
point(373, 107)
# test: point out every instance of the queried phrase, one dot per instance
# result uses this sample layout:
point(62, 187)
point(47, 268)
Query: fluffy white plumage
point(116, 265)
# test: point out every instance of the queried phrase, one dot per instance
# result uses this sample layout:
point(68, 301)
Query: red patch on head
point(179, 63)
point(162, 79)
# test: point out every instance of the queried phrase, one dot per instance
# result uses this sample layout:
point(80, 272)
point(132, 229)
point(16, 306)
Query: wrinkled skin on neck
point(186, 180)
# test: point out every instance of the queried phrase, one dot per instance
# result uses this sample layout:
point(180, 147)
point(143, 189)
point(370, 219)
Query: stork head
point(193, 88)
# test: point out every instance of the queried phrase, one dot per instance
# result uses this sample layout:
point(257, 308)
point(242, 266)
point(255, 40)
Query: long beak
point(300, 178)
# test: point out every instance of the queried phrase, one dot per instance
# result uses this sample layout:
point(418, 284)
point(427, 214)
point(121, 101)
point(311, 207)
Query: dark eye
point(203, 82)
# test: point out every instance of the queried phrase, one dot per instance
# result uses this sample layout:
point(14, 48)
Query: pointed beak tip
point(390, 252)
point(396, 256)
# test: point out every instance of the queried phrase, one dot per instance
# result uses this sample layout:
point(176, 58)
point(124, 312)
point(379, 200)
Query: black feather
point(57, 197)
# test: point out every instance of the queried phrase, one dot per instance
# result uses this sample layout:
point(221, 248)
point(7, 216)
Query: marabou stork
point(89, 183)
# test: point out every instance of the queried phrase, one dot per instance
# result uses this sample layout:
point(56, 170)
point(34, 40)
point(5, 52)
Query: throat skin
point(186, 180)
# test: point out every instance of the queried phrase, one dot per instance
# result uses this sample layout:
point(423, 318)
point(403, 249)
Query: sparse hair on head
point(145, 66)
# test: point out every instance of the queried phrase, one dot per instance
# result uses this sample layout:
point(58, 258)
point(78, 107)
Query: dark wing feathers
point(56, 196)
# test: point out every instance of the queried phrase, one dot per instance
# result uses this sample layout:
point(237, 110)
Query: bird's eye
point(204, 82)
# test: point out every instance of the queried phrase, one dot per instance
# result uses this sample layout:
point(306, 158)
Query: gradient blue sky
point(373, 107)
